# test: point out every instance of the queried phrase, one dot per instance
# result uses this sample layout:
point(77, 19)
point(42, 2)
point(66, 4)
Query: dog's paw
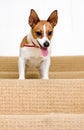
point(45, 78)
point(21, 78)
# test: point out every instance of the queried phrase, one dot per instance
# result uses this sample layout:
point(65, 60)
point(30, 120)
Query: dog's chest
point(28, 52)
point(32, 61)
point(32, 55)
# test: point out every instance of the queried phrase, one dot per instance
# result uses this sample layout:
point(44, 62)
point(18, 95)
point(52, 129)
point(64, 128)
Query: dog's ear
point(53, 18)
point(33, 18)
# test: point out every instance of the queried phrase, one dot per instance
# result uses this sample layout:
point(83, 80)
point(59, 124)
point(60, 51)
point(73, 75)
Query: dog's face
point(42, 30)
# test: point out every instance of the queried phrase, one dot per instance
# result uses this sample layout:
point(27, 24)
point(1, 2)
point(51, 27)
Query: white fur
point(33, 57)
point(42, 40)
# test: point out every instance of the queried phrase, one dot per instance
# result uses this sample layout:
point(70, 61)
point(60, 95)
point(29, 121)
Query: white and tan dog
point(35, 48)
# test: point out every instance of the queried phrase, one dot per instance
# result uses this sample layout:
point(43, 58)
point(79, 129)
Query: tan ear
point(33, 18)
point(53, 18)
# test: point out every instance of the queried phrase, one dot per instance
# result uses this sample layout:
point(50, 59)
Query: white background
point(68, 37)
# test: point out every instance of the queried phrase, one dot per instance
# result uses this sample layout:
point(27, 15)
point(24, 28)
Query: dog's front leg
point(22, 67)
point(44, 69)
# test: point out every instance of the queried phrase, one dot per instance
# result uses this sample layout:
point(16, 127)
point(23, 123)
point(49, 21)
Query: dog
point(35, 48)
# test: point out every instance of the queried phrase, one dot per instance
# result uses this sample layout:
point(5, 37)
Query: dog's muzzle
point(46, 44)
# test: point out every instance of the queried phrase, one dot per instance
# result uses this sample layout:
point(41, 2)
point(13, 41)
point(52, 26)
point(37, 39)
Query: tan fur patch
point(39, 28)
point(24, 40)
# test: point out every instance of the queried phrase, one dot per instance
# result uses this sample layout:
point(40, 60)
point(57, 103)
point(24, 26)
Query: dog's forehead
point(43, 25)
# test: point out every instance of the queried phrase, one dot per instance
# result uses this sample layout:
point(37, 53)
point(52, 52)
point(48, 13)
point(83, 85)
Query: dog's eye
point(50, 33)
point(38, 33)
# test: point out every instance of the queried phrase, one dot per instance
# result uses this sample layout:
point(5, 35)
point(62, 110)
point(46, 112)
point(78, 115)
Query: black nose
point(46, 44)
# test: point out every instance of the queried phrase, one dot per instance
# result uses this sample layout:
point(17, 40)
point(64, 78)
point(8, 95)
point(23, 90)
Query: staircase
point(34, 104)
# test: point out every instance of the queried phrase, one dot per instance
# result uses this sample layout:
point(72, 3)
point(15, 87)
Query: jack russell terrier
point(35, 48)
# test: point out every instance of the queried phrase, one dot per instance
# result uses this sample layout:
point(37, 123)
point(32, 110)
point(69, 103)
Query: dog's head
point(42, 30)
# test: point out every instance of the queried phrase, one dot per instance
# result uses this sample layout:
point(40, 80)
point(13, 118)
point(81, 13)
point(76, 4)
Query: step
point(42, 122)
point(61, 67)
point(41, 96)
point(33, 104)
point(58, 63)
point(52, 75)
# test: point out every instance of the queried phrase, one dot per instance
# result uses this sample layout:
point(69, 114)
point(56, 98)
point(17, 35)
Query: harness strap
point(27, 45)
